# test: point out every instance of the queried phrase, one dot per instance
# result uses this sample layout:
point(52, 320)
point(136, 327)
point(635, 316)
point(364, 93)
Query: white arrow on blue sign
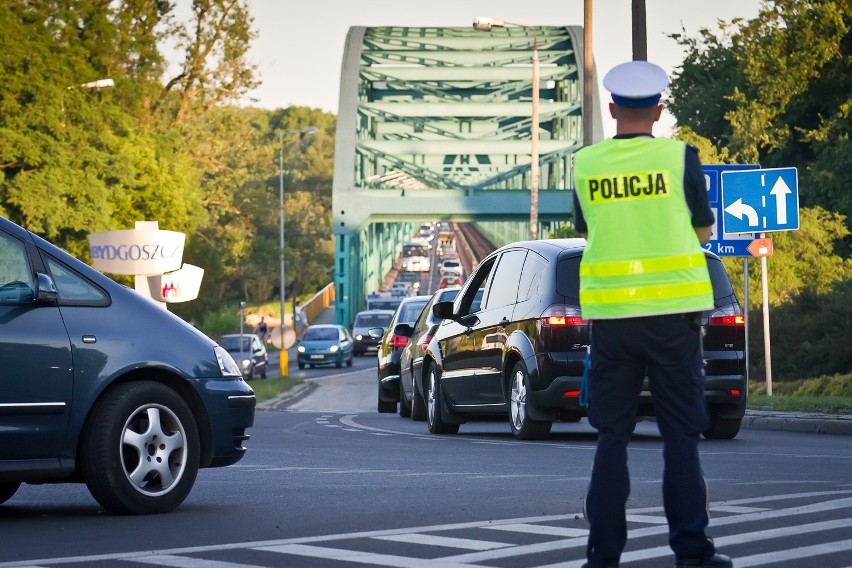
point(760, 201)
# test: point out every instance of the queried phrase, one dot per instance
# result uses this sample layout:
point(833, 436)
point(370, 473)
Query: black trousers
point(668, 349)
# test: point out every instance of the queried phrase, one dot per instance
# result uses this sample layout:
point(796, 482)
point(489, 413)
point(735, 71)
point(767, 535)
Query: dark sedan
point(100, 385)
point(514, 343)
point(416, 337)
point(390, 349)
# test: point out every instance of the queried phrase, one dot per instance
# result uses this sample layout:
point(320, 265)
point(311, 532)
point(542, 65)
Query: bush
point(811, 336)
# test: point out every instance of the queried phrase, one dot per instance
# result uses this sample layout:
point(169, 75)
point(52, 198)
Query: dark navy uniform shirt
point(694, 190)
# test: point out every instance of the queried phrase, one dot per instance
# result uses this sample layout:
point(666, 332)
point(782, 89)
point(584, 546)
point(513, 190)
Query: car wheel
point(434, 408)
point(524, 428)
point(404, 406)
point(250, 376)
point(722, 428)
point(301, 365)
point(385, 407)
point(418, 405)
point(7, 490)
point(349, 362)
point(141, 449)
point(265, 372)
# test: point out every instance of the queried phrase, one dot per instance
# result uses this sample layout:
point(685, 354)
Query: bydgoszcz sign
point(141, 251)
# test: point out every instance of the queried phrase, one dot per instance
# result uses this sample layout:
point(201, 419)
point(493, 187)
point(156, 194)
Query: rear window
point(568, 279)
point(372, 320)
point(719, 278)
point(410, 311)
point(383, 304)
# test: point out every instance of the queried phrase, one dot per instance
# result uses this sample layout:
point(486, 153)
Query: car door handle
point(504, 322)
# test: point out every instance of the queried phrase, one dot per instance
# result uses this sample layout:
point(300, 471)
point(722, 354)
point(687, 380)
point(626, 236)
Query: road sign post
point(760, 201)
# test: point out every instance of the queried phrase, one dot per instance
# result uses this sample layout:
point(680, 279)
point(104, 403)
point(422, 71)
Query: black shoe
point(716, 561)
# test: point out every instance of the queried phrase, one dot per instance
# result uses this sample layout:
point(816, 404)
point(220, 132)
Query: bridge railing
point(319, 302)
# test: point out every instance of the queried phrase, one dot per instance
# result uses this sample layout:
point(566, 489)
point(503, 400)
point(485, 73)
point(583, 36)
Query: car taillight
point(398, 340)
point(729, 315)
point(426, 340)
point(559, 315)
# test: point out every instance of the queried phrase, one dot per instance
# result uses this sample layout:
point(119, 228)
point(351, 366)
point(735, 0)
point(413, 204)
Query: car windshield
point(320, 334)
point(372, 320)
point(233, 343)
point(389, 304)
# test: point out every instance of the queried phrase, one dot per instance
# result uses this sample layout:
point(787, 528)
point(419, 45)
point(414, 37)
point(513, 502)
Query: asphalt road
point(330, 482)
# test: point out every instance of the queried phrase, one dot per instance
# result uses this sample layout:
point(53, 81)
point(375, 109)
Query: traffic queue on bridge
point(510, 343)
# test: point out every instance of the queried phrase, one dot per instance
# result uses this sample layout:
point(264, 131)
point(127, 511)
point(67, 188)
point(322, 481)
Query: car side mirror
point(376, 332)
point(443, 310)
point(46, 291)
point(403, 329)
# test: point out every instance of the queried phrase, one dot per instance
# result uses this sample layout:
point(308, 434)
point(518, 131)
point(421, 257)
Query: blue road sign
point(720, 244)
point(760, 201)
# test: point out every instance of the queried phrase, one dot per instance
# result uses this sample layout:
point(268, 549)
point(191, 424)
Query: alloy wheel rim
point(153, 449)
point(519, 401)
point(431, 397)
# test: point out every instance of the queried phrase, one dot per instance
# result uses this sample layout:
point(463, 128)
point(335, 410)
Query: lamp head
point(484, 24)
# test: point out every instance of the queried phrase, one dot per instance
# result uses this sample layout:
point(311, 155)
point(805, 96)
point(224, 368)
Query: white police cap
point(636, 83)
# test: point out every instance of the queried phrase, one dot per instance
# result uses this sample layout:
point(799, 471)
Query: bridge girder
point(434, 124)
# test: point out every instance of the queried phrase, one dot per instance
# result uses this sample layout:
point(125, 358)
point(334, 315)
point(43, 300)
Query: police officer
point(644, 281)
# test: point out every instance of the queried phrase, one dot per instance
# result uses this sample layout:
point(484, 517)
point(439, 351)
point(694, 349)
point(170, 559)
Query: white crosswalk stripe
point(757, 532)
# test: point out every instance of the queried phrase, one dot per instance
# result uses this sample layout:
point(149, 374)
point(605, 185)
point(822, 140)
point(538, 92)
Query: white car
point(417, 264)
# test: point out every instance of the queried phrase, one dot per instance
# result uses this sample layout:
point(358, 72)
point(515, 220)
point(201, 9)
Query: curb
point(798, 422)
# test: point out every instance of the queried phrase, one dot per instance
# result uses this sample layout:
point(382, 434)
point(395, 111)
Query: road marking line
point(360, 557)
point(647, 519)
point(540, 529)
point(737, 510)
point(186, 562)
point(743, 538)
point(656, 530)
point(450, 542)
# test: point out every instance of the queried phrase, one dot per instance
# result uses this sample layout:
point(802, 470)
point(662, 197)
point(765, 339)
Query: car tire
point(141, 449)
point(250, 376)
point(349, 362)
point(523, 427)
point(301, 365)
point(385, 407)
point(722, 428)
point(265, 372)
point(7, 490)
point(339, 364)
point(418, 404)
point(434, 406)
point(404, 406)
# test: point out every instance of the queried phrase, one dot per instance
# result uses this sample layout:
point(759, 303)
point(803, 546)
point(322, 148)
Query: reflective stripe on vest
point(642, 257)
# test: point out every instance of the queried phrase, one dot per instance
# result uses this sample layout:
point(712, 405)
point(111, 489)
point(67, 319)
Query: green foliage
point(776, 91)
point(803, 260)
point(809, 335)
point(828, 393)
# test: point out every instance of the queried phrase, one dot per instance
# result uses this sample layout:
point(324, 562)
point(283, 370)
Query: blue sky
point(300, 43)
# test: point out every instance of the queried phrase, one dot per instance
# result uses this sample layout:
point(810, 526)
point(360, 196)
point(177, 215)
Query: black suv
point(518, 348)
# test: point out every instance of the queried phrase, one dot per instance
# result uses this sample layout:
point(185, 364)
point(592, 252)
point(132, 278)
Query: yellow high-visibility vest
point(642, 255)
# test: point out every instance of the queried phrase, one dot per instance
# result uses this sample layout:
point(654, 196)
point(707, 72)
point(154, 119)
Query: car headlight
point(358, 337)
point(245, 362)
point(301, 349)
point(227, 366)
point(333, 348)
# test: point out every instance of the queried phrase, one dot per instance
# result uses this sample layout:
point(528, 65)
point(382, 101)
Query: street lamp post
point(307, 130)
point(486, 25)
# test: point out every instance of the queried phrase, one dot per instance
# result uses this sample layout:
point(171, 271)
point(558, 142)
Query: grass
point(801, 403)
point(270, 388)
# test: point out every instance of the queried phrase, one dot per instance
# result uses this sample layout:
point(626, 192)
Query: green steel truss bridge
point(434, 125)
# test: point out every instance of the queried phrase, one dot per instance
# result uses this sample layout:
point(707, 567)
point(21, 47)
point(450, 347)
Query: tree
point(215, 67)
point(775, 91)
